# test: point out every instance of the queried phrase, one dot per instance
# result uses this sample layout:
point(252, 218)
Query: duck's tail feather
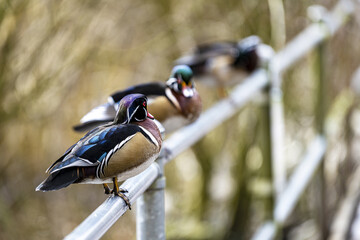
point(59, 180)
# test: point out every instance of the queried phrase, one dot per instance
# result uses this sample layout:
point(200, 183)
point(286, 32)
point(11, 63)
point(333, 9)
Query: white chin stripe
point(171, 81)
point(188, 92)
point(153, 139)
point(172, 98)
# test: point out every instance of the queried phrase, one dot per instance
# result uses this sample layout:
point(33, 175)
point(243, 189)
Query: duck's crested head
point(182, 72)
point(181, 80)
point(132, 108)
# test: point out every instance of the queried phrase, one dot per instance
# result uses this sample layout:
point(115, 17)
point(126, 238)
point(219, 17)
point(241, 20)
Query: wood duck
point(227, 63)
point(175, 103)
point(110, 153)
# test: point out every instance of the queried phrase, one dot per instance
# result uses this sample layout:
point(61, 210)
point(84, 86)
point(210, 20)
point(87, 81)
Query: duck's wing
point(148, 89)
point(106, 112)
point(93, 149)
point(84, 158)
point(216, 48)
point(97, 116)
point(203, 54)
point(71, 148)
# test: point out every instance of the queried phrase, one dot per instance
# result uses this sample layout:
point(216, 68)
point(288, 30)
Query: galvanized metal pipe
point(296, 186)
point(150, 215)
point(300, 179)
point(346, 224)
point(305, 41)
point(106, 214)
point(96, 225)
point(113, 208)
point(267, 231)
point(264, 141)
point(355, 228)
point(277, 121)
point(213, 117)
point(296, 49)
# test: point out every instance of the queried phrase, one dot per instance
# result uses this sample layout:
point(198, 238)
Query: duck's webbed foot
point(120, 192)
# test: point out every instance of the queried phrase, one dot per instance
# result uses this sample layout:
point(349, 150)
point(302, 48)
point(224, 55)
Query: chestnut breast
point(190, 107)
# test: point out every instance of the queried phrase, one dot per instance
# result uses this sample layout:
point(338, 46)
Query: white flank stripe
point(172, 98)
point(153, 139)
point(109, 155)
point(98, 171)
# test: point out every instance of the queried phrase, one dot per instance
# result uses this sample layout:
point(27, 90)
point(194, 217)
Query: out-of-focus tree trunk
point(277, 22)
point(205, 158)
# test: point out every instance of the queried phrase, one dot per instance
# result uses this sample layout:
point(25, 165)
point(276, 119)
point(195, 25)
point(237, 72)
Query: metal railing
point(148, 187)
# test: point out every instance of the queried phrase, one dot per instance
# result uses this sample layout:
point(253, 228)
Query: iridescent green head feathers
point(183, 72)
point(181, 80)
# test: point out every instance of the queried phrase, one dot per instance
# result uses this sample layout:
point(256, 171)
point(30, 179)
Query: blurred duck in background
point(225, 64)
point(110, 153)
point(174, 104)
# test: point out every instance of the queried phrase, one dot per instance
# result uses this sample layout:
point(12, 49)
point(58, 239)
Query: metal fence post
point(150, 215)
point(265, 145)
point(277, 123)
point(151, 224)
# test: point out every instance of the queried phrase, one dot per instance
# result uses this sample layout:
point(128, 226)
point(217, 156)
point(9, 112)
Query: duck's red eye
point(144, 104)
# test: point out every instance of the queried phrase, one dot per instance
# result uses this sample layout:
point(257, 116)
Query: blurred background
point(59, 59)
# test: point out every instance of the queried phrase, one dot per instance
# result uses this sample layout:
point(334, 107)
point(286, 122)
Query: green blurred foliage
point(58, 59)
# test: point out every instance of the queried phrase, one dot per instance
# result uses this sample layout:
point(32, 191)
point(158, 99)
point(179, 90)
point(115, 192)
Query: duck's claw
point(124, 197)
point(120, 192)
point(107, 188)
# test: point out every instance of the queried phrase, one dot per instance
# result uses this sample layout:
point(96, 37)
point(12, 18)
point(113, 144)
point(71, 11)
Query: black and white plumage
point(174, 103)
point(112, 152)
point(227, 63)
point(106, 112)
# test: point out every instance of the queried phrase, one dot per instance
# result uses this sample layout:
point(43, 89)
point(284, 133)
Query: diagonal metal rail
point(97, 224)
point(297, 184)
point(94, 226)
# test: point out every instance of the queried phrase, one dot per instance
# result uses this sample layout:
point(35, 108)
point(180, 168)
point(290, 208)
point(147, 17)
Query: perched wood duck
point(110, 153)
point(227, 63)
point(174, 103)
